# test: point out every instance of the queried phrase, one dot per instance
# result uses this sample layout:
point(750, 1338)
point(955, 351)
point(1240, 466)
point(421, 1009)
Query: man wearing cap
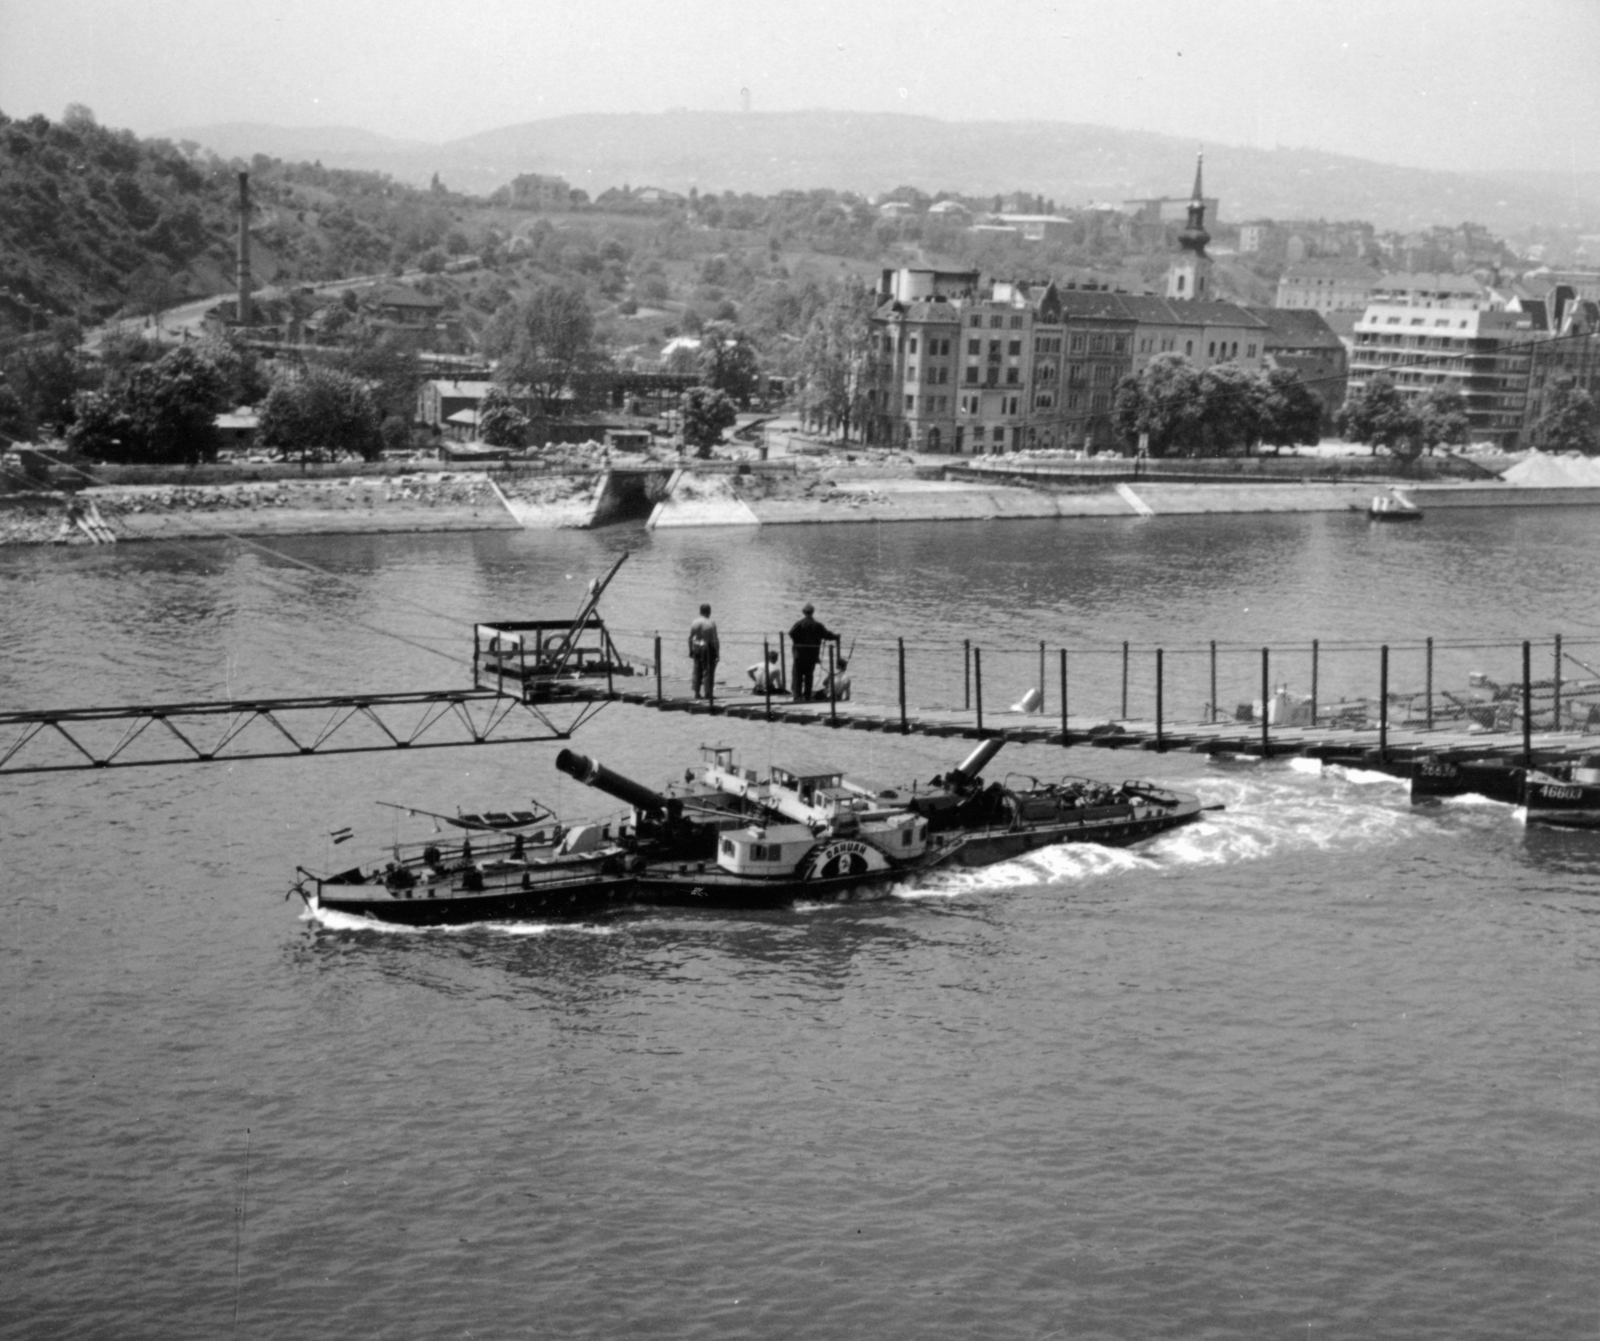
point(807, 635)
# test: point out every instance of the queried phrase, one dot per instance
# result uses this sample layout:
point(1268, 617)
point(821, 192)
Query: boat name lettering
point(1560, 793)
point(841, 848)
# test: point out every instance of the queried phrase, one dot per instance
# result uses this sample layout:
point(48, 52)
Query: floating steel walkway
point(1398, 749)
point(145, 735)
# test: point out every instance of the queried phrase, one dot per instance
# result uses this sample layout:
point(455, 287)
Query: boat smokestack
point(244, 249)
point(594, 774)
point(974, 763)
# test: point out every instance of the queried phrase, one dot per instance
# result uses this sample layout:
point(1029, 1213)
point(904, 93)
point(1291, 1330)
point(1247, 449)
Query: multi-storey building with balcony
point(1486, 356)
point(1425, 289)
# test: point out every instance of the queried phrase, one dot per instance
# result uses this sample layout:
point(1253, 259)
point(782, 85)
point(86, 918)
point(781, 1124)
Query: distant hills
point(873, 152)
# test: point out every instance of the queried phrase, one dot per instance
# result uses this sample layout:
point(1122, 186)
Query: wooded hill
point(95, 220)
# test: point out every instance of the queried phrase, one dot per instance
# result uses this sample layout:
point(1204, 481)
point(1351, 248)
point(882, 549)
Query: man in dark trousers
point(807, 636)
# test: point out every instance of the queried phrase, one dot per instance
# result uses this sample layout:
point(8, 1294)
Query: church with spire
point(1189, 275)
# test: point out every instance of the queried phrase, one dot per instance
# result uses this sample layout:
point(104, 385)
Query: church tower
point(1189, 275)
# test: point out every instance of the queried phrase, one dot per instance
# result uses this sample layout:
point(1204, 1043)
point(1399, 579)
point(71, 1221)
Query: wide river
point(1324, 1065)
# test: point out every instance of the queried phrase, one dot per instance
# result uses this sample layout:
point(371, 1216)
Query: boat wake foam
point(330, 920)
point(1268, 814)
point(1065, 864)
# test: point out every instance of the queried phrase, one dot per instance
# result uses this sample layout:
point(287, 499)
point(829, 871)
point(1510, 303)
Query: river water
point(1321, 1065)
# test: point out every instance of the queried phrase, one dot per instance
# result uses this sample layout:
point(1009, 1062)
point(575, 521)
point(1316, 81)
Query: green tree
point(1381, 417)
point(1444, 418)
point(151, 290)
point(500, 422)
point(1291, 414)
point(682, 361)
point(707, 414)
point(1163, 405)
point(388, 367)
point(728, 362)
point(245, 380)
point(162, 412)
point(47, 377)
point(326, 410)
point(1570, 421)
point(544, 342)
point(396, 433)
point(838, 359)
point(1231, 410)
point(14, 420)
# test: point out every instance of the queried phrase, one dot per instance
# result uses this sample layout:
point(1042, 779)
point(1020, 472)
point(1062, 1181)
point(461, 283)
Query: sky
point(1451, 84)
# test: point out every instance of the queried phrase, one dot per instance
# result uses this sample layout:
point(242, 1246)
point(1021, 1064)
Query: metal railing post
point(1064, 740)
point(766, 672)
point(1555, 723)
point(1124, 716)
point(477, 653)
point(1315, 658)
point(1213, 680)
point(1383, 705)
point(1160, 744)
point(977, 677)
point(905, 726)
point(1041, 675)
point(1527, 704)
point(658, 668)
point(1429, 685)
point(1266, 701)
point(966, 672)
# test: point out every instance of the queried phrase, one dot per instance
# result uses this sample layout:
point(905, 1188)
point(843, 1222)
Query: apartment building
point(1486, 356)
point(1426, 289)
point(977, 369)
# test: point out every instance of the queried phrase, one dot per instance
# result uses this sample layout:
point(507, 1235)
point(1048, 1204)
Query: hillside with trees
point(90, 216)
point(95, 222)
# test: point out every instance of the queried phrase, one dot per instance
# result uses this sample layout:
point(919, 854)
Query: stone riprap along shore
point(723, 494)
point(430, 501)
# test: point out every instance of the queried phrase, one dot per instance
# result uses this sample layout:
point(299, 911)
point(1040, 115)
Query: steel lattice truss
point(145, 735)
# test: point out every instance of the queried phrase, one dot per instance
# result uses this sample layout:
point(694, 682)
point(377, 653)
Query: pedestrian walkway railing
point(1426, 684)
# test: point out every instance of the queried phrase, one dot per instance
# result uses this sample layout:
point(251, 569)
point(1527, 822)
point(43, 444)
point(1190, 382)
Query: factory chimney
point(244, 249)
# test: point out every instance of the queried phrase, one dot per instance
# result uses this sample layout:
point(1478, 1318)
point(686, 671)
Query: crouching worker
point(837, 685)
point(767, 678)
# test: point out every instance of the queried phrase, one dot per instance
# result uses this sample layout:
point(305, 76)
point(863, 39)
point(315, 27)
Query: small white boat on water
point(1393, 507)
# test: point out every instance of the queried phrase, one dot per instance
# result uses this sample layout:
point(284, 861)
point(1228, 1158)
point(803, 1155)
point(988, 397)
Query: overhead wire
point(307, 565)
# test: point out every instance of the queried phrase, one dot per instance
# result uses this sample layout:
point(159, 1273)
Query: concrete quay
point(719, 500)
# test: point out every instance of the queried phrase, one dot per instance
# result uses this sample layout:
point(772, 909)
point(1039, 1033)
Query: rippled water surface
point(1321, 1065)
